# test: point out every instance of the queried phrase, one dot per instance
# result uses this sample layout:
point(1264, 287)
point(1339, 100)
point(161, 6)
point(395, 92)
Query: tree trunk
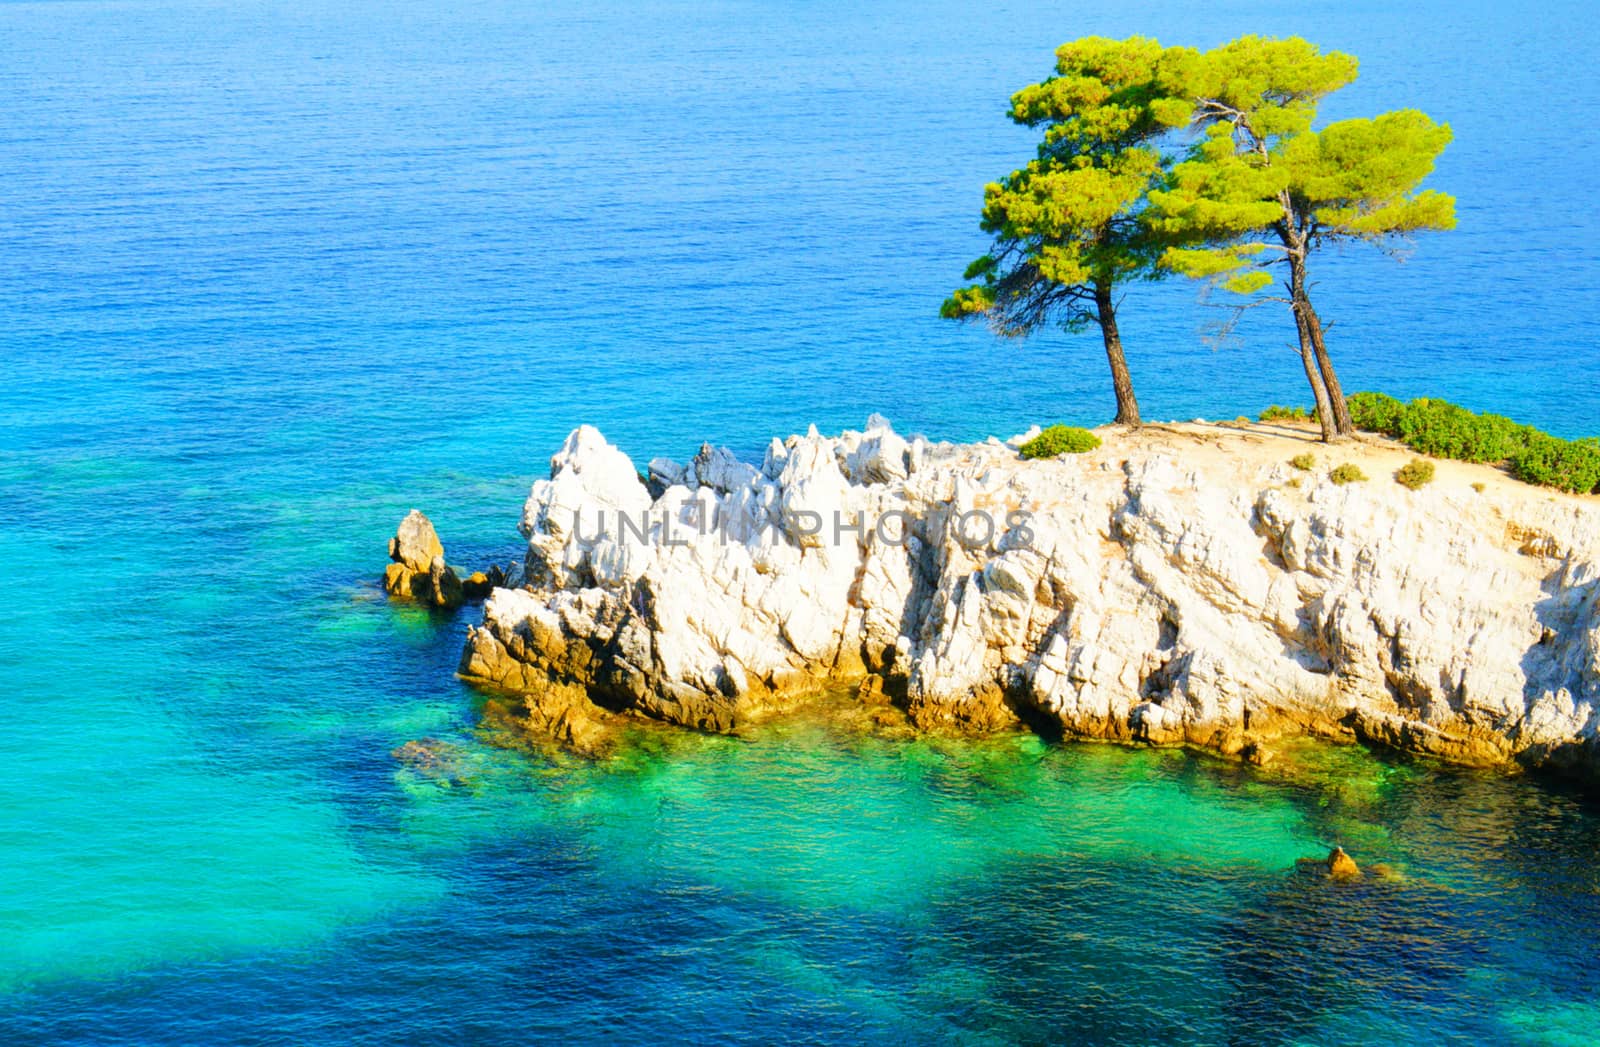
point(1310, 326)
point(1121, 381)
point(1341, 410)
point(1319, 392)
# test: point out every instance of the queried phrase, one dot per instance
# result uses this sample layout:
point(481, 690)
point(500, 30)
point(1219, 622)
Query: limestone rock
point(415, 543)
point(412, 550)
point(444, 586)
point(418, 570)
point(1169, 588)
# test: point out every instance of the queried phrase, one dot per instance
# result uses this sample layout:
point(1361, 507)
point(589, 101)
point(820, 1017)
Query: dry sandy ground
point(1245, 446)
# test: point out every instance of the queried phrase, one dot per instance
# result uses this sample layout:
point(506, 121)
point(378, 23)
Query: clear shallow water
point(271, 275)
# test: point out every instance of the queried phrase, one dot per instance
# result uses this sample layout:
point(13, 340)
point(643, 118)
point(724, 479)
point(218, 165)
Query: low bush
point(1304, 462)
point(1275, 413)
point(1060, 439)
point(1570, 465)
point(1414, 474)
point(1445, 430)
point(1376, 412)
point(1348, 473)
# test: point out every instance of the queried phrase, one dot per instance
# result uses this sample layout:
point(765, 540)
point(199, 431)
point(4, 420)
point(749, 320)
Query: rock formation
point(1179, 585)
point(418, 570)
point(1341, 866)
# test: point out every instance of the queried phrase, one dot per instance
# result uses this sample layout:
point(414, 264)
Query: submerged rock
point(1169, 587)
point(443, 763)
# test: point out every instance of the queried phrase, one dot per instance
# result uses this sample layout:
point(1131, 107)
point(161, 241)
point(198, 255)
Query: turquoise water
point(273, 274)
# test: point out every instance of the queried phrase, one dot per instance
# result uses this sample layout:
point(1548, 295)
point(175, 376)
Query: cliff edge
point(1180, 584)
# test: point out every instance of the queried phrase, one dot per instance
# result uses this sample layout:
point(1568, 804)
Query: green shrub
point(1274, 413)
point(1304, 462)
point(1571, 465)
point(1348, 473)
point(1376, 412)
point(1446, 430)
point(1414, 474)
point(1060, 439)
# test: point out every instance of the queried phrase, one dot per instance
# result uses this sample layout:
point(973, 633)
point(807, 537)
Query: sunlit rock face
point(1179, 585)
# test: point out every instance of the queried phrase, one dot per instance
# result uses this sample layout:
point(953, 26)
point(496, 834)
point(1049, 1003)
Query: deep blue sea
point(273, 273)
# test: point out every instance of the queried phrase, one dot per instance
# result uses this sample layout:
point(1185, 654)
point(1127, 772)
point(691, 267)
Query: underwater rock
point(430, 758)
point(1170, 587)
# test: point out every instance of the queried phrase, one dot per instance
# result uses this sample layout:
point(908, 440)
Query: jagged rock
point(418, 570)
point(412, 551)
point(507, 577)
point(415, 543)
point(718, 469)
point(661, 474)
point(477, 586)
point(1169, 587)
point(443, 585)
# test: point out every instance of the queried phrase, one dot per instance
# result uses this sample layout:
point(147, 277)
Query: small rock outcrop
point(1180, 585)
point(1338, 865)
point(1341, 866)
point(417, 570)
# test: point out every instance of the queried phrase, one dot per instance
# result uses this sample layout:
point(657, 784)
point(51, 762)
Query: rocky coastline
point(1182, 584)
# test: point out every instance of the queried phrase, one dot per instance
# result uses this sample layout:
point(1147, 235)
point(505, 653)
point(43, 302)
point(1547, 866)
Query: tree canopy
point(1068, 227)
point(1113, 196)
point(1262, 189)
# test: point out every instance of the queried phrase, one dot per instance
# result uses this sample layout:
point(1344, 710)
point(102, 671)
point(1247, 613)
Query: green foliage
point(1570, 465)
point(1304, 462)
point(1275, 84)
point(1359, 177)
point(1274, 413)
point(968, 301)
point(1446, 430)
point(1414, 474)
point(1262, 183)
point(1071, 220)
point(1376, 412)
point(1348, 473)
point(1060, 439)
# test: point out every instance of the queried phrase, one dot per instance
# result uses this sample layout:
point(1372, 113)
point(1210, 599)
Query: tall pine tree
point(1069, 228)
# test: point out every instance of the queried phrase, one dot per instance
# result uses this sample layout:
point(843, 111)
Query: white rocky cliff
point(1178, 585)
